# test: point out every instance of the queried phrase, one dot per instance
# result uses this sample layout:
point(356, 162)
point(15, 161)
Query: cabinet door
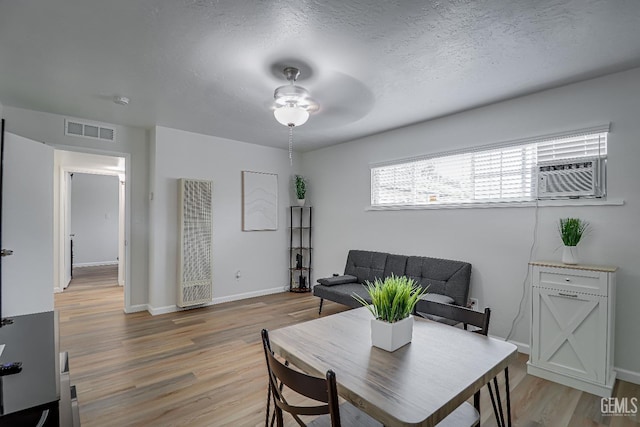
point(569, 333)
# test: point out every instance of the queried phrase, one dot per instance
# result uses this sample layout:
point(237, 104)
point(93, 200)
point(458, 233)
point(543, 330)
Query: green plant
point(571, 230)
point(392, 299)
point(301, 187)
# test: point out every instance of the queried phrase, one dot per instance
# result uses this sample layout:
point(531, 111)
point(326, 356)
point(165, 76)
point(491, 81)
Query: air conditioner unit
point(571, 178)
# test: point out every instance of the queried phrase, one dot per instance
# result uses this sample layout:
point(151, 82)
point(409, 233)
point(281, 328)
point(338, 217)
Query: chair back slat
point(311, 387)
point(479, 319)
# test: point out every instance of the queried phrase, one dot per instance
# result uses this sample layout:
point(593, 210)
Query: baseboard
point(57, 290)
point(522, 347)
point(136, 308)
point(155, 311)
point(174, 308)
point(628, 376)
point(94, 264)
point(247, 295)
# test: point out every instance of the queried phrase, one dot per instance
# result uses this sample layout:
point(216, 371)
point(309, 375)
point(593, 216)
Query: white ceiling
point(210, 66)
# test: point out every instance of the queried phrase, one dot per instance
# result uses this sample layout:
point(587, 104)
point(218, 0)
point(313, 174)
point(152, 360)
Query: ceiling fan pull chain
point(291, 145)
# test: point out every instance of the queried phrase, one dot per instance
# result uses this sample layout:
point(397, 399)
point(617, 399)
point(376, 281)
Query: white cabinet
point(572, 325)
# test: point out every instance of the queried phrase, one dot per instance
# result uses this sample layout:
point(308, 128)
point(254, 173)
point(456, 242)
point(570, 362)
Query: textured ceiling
point(211, 66)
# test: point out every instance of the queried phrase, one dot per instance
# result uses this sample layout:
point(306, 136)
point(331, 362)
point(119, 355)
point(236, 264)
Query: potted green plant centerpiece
point(301, 189)
point(571, 231)
point(393, 300)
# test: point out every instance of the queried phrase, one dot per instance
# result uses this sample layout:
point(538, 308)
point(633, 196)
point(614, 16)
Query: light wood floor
point(205, 367)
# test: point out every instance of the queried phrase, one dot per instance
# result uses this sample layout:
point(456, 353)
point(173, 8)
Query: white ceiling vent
point(89, 130)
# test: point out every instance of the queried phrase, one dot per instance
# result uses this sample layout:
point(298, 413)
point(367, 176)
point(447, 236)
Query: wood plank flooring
point(205, 367)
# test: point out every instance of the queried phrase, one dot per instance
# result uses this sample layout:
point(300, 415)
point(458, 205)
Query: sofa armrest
point(338, 280)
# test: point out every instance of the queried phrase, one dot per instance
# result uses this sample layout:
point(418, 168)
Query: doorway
point(97, 236)
point(94, 225)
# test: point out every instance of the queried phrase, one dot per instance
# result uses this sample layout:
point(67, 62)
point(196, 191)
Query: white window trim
point(601, 201)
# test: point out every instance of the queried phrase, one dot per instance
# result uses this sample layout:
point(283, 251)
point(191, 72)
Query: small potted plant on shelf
point(571, 232)
point(301, 189)
point(393, 300)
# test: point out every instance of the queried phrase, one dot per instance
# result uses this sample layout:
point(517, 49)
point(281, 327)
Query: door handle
point(6, 252)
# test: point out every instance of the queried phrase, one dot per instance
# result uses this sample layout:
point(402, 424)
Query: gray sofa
point(448, 280)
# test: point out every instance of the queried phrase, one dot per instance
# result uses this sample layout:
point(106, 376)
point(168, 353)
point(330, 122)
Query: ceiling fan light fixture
point(291, 115)
point(291, 94)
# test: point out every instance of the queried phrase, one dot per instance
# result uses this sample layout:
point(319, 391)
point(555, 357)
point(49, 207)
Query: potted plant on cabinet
point(571, 231)
point(301, 189)
point(393, 300)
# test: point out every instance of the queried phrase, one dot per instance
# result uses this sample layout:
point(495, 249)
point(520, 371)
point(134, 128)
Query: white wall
point(94, 219)
point(260, 256)
point(49, 128)
point(496, 241)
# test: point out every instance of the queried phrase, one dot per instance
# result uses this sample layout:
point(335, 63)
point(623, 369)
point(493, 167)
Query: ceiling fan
point(292, 103)
point(343, 99)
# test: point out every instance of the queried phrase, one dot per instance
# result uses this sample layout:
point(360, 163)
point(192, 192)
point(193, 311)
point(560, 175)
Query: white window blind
point(500, 174)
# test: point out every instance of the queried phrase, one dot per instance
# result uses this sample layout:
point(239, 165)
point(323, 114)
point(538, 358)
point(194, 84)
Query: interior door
point(27, 227)
point(65, 233)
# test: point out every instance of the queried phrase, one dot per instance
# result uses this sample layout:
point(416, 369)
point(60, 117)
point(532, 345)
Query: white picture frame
point(259, 201)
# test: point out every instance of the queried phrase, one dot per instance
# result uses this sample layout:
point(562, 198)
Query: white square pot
point(391, 336)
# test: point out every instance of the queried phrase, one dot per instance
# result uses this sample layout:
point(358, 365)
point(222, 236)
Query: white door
point(65, 199)
point(27, 227)
point(569, 333)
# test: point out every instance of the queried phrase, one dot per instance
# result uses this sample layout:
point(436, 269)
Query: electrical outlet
point(473, 304)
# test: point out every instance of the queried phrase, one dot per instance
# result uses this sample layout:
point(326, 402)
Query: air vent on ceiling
point(89, 130)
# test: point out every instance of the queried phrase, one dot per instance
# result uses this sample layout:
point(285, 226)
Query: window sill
point(540, 203)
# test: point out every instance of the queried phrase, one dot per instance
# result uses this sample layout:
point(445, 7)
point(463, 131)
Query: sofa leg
point(320, 309)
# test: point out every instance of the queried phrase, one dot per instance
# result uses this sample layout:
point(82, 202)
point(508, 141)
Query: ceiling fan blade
point(342, 99)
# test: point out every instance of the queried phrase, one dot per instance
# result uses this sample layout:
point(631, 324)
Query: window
point(500, 173)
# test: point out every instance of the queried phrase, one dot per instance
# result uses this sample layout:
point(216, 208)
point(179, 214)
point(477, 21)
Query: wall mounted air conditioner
point(195, 281)
point(571, 178)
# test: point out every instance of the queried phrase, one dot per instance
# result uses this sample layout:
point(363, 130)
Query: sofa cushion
point(338, 280)
point(396, 265)
point(443, 299)
point(365, 265)
point(343, 294)
point(443, 276)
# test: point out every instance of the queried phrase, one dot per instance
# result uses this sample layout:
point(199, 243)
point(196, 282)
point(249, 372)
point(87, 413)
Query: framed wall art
point(259, 201)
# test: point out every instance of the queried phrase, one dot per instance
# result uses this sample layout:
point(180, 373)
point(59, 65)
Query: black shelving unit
point(300, 223)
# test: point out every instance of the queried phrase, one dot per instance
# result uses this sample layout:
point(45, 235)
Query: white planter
point(301, 202)
point(391, 336)
point(570, 255)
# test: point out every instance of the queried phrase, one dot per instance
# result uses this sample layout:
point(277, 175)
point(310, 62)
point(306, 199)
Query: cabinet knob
point(567, 279)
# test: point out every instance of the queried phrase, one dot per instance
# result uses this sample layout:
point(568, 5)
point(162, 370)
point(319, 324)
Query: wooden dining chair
point(324, 390)
point(480, 320)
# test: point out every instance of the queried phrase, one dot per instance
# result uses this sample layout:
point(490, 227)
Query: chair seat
point(349, 416)
point(464, 415)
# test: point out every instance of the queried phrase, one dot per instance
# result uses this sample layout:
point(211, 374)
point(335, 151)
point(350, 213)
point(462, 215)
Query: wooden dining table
point(416, 385)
